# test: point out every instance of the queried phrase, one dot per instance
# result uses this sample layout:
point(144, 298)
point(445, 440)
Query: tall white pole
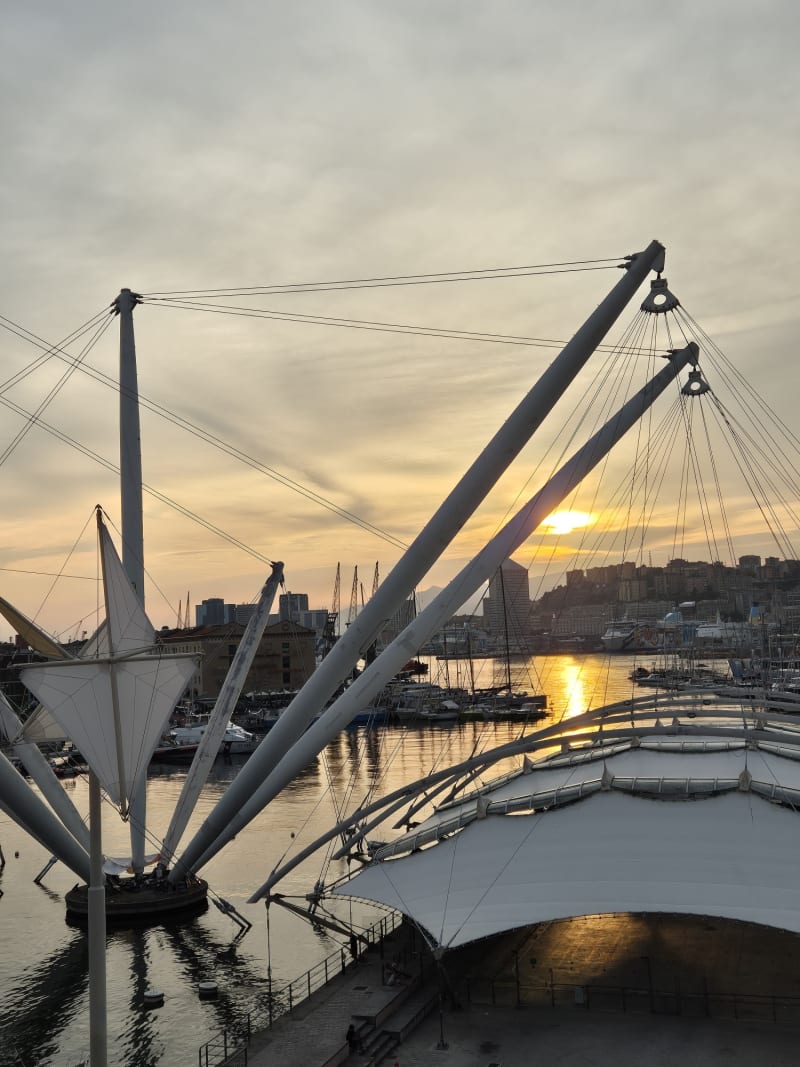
point(130, 465)
point(133, 562)
point(512, 436)
point(130, 446)
point(96, 903)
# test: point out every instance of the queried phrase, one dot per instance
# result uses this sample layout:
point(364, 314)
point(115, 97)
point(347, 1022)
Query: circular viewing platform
point(144, 901)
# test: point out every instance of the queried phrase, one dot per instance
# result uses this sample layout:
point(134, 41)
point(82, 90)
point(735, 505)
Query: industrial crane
point(330, 635)
point(353, 609)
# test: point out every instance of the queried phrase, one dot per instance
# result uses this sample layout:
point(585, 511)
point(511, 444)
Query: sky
point(189, 147)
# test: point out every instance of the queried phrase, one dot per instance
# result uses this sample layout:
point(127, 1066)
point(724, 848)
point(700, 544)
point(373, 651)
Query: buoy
point(207, 990)
point(153, 998)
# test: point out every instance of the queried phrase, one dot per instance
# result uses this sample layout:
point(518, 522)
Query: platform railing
point(702, 1003)
point(225, 1047)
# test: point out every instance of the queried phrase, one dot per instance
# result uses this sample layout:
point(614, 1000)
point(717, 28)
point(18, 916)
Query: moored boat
point(171, 751)
point(236, 741)
point(628, 635)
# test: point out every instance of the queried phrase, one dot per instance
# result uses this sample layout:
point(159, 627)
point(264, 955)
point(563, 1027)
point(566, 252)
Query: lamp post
point(649, 983)
point(441, 1044)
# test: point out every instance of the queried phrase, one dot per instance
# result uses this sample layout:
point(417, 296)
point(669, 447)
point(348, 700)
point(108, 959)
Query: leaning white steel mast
point(214, 732)
point(429, 544)
point(22, 804)
point(461, 588)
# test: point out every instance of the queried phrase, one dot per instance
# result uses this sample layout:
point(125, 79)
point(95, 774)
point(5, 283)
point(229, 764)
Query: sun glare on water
point(563, 522)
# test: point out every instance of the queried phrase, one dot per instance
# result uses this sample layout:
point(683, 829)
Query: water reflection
point(43, 974)
point(40, 1002)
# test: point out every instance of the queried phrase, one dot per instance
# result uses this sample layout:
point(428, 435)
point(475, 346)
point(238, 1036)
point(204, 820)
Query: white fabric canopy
point(735, 856)
point(127, 627)
point(650, 761)
point(114, 707)
point(80, 698)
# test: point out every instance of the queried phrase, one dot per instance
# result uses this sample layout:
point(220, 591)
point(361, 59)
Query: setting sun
point(562, 522)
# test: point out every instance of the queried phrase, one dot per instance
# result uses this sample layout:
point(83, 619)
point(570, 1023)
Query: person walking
point(354, 1042)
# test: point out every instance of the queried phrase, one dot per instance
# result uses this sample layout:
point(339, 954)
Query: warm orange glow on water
point(37, 941)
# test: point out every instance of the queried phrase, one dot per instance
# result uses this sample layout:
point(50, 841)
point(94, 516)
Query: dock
point(589, 991)
point(384, 1007)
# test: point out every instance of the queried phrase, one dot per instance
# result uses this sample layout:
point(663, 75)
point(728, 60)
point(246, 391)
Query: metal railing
point(699, 1003)
point(230, 1044)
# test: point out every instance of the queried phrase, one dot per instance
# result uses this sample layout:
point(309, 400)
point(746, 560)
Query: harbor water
point(43, 965)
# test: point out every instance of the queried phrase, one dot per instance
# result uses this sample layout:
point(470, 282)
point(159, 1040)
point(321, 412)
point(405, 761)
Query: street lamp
point(649, 982)
point(441, 1044)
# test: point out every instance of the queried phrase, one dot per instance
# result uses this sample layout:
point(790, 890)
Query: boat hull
point(174, 754)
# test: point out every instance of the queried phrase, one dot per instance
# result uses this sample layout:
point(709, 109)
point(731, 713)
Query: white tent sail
point(30, 632)
point(40, 727)
point(127, 628)
point(116, 745)
point(115, 707)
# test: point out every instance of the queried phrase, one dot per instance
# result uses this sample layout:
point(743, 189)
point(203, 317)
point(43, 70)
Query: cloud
point(182, 147)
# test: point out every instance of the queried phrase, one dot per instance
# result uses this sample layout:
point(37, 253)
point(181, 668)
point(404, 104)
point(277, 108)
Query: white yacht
point(628, 635)
point(236, 742)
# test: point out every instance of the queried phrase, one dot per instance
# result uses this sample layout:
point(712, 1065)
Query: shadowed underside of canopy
point(736, 856)
point(697, 817)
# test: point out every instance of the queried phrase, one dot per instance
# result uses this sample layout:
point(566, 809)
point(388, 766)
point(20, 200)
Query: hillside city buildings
point(572, 616)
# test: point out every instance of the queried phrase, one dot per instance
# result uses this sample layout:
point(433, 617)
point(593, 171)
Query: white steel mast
point(429, 544)
point(21, 804)
point(130, 467)
point(461, 588)
point(215, 730)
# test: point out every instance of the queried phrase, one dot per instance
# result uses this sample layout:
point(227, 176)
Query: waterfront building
point(214, 612)
point(243, 613)
point(507, 608)
point(285, 658)
point(291, 606)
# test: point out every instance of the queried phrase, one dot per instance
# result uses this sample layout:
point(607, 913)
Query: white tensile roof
point(690, 819)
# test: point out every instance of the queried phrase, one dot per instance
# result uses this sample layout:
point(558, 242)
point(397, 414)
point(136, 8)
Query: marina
point(400, 564)
point(508, 813)
point(175, 958)
point(277, 951)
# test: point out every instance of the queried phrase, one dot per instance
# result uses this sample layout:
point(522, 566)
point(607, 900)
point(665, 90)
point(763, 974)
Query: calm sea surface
point(43, 961)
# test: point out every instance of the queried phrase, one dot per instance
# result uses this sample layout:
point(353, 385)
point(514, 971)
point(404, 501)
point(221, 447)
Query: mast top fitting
point(660, 299)
point(126, 299)
point(696, 384)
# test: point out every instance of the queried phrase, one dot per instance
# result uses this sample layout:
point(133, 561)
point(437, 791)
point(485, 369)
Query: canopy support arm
point(427, 547)
point(463, 586)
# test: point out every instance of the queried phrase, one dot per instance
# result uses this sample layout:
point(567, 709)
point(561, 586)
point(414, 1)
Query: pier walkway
point(614, 990)
point(382, 1005)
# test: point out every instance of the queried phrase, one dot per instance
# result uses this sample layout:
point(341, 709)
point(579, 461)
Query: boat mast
point(427, 547)
point(505, 630)
point(130, 467)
